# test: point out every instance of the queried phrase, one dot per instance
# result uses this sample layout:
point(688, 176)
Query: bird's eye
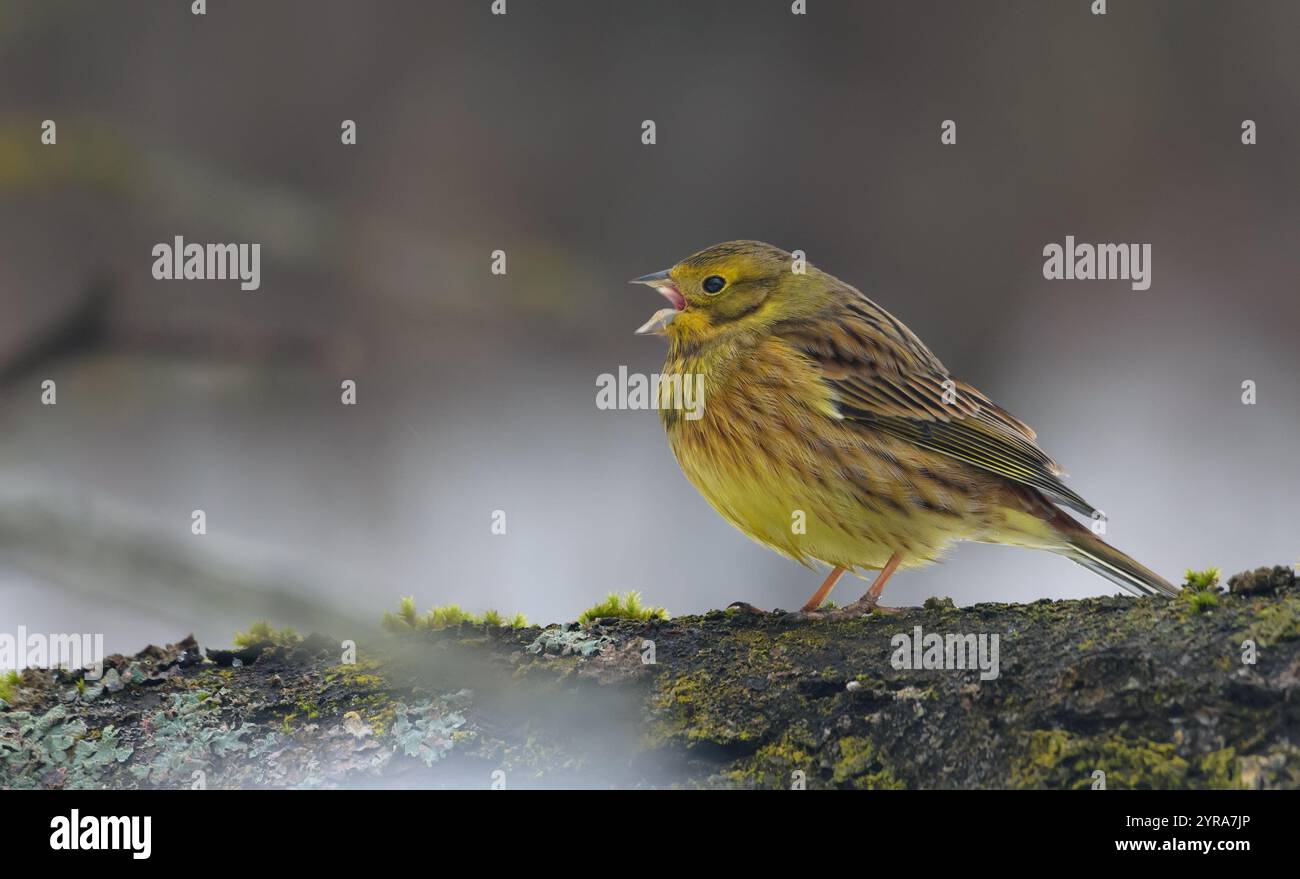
point(714, 284)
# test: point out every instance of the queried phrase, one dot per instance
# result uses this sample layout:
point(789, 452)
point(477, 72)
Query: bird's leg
point(873, 594)
point(867, 603)
point(825, 589)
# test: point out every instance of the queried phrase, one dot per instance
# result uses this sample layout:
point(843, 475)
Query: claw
point(862, 607)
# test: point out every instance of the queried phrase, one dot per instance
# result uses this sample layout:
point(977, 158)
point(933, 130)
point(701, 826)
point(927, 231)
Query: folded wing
point(887, 380)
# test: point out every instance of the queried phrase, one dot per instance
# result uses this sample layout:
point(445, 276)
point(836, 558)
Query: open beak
point(662, 282)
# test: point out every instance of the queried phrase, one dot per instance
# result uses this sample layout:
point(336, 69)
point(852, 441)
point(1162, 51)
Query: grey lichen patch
point(288, 718)
point(427, 730)
point(188, 736)
point(1144, 690)
point(109, 682)
point(56, 748)
point(564, 641)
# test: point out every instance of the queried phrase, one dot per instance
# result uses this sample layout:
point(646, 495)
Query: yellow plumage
point(770, 454)
point(821, 410)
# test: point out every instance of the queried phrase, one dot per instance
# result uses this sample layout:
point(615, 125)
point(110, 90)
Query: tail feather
point(1039, 522)
point(1101, 558)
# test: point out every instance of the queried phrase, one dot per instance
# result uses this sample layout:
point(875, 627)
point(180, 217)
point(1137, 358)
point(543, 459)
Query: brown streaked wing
point(886, 379)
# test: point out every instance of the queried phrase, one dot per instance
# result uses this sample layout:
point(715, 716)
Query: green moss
point(1200, 590)
point(381, 721)
point(497, 619)
point(774, 765)
point(692, 720)
point(408, 619)
point(1274, 623)
point(1054, 758)
point(705, 708)
point(1202, 581)
point(625, 607)
point(260, 632)
point(367, 692)
point(859, 765)
point(9, 682)
point(362, 674)
point(446, 615)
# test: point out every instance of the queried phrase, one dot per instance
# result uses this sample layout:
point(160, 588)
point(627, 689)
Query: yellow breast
point(769, 452)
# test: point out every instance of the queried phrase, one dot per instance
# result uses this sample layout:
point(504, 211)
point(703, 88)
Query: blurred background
point(476, 392)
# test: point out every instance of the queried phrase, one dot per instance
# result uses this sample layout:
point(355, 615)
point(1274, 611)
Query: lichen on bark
point(1148, 693)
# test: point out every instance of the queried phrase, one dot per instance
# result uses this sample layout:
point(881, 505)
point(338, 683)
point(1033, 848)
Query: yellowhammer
point(830, 433)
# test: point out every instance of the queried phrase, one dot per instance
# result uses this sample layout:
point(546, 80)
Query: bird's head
point(737, 286)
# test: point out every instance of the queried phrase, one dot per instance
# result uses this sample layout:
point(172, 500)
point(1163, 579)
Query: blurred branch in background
point(76, 328)
point(101, 560)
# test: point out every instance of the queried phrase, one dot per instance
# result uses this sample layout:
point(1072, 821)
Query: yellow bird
point(829, 432)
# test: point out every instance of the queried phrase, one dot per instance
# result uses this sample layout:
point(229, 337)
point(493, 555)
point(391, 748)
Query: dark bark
point(1153, 693)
